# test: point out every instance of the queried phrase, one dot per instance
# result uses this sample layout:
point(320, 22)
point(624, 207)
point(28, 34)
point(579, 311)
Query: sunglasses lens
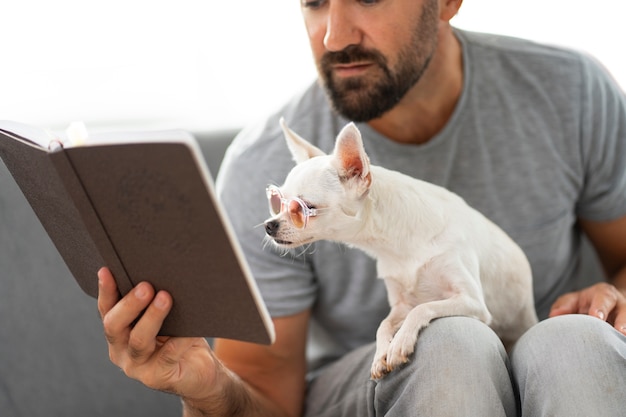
point(274, 201)
point(296, 213)
point(295, 207)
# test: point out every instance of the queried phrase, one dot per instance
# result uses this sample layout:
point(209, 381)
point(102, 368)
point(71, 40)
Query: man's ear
point(300, 148)
point(350, 155)
point(449, 9)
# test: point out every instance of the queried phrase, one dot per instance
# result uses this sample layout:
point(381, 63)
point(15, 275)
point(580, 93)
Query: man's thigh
point(459, 366)
point(571, 365)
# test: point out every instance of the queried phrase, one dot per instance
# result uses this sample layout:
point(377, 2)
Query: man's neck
point(428, 106)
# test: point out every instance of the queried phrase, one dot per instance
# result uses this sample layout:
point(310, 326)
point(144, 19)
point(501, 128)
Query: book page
point(77, 135)
point(42, 138)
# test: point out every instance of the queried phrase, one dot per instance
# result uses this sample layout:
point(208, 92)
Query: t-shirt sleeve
point(259, 156)
point(603, 145)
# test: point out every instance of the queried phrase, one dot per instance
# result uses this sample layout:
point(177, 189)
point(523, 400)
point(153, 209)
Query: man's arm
point(274, 374)
point(609, 240)
point(270, 381)
point(606, 301)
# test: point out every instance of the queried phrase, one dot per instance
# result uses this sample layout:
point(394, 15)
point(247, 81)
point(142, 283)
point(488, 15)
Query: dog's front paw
point(379, 367)
point(400, 349)
point(397, 353)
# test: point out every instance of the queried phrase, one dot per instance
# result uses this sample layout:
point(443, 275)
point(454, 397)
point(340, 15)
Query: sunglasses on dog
point(297, 209)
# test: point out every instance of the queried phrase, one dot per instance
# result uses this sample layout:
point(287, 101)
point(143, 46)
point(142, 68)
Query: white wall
point(209, 64)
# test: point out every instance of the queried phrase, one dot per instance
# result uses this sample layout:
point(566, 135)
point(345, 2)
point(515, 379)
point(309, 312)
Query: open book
point(144, 205)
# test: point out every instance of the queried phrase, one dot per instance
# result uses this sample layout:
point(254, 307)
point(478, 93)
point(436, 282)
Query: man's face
point(369, 54)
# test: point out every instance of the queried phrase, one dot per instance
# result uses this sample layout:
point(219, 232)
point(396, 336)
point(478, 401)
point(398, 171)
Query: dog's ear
point(351, 156)
point(300, 148)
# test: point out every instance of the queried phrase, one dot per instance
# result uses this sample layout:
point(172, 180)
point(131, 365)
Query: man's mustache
point(352, 53)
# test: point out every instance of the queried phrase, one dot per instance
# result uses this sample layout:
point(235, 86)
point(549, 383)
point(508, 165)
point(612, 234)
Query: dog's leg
point(403, 343)
point(384, 335)
point(400, 307)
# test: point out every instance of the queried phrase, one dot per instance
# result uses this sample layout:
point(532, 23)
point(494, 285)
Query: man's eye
point(313, 4)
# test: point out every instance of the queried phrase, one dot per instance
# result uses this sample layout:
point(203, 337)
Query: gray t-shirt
point(537, 140)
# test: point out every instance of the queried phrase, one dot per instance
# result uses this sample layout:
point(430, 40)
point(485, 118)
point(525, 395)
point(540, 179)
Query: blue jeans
point(565, 366)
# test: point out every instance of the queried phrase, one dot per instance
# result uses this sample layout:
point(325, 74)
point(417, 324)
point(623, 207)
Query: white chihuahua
point(437, 256)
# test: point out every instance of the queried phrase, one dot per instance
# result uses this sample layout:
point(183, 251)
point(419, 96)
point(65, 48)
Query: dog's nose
point(271, 227)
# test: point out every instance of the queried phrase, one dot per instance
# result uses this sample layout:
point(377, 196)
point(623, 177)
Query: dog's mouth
point(291, 244)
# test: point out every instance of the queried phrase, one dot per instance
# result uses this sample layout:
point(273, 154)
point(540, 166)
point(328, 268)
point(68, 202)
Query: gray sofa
point(53, 356)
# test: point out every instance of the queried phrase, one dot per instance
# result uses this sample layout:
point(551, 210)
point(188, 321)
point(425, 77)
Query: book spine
point(42, 184)
point(90, 220)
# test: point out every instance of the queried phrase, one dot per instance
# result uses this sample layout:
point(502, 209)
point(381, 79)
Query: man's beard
point(361, 99)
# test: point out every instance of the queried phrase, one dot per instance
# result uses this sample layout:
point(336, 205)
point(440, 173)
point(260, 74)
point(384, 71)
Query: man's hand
point(602, 300)
point(188, 367)
point(184, 366)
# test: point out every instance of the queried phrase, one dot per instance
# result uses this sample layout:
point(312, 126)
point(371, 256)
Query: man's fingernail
point(141, 292)
point(600, 314)
point(160, 301)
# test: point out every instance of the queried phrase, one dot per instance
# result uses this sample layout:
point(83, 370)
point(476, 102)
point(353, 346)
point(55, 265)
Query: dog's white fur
point(437, 256)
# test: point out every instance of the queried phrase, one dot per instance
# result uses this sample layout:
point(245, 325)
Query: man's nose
point(341, 30)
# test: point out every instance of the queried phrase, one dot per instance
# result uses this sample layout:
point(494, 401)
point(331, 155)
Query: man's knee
point(459, 364)
point(570, 364)
point(460, 339)
point(564, 337)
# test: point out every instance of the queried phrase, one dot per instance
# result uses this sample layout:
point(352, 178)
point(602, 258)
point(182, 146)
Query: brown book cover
point(144, 205)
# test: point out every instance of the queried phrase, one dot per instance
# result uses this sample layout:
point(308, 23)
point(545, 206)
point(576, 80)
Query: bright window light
point(201, 65)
